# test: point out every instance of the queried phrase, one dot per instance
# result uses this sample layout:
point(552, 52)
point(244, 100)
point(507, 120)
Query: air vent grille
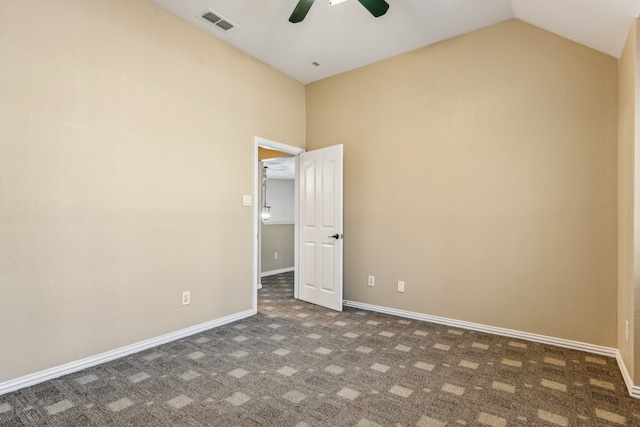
point(211, 17)
point(216, 19)
point(225, 25)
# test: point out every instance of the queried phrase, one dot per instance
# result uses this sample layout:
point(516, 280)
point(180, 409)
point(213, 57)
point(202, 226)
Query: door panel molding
point(320, 232)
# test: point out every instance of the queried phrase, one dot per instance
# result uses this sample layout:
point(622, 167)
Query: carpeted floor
point(296, 364)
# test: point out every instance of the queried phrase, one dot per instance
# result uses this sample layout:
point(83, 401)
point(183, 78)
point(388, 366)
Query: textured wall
point(125, 149)
point(482, 172)
point(281, 198)
point(277, 238)
point(628, 199)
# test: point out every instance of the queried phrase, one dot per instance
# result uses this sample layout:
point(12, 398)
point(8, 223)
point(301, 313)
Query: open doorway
point(277, 213)
point(264, 150)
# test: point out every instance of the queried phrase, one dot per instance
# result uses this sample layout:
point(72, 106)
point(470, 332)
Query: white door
point(320, 237)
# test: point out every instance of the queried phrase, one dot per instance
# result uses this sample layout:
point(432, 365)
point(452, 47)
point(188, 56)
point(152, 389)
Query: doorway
point(263, 148)
point(277, 206)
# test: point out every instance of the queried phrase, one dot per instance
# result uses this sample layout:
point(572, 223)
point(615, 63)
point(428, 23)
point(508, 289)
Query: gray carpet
point(295, 364)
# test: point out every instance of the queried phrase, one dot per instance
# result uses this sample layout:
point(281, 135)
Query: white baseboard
point(273, 272)
point(634, 391)
point(68, 368)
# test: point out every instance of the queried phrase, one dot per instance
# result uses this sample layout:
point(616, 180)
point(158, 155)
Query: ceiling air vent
point(216, 19)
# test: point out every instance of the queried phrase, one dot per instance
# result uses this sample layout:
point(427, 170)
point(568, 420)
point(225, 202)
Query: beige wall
point(122, 175)
point(628, 199)
point(482, 172)
point(626, 142)
point(277, 238)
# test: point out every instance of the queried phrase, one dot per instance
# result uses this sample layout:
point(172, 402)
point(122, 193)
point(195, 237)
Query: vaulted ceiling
point(346, 36)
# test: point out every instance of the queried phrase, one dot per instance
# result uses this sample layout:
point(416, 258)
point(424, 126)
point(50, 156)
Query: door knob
point(335, 236)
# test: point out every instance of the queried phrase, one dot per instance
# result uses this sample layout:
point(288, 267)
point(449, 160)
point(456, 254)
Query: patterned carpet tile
point(296, 364)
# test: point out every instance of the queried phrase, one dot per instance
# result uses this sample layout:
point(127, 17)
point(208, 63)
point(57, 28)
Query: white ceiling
point(280, 168)
point(347, 36)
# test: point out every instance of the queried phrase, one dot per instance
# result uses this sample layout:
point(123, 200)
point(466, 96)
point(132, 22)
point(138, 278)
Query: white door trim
point(278, 146)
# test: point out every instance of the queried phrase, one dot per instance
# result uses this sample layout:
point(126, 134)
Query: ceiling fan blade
point(301, 10)
point(376, 7)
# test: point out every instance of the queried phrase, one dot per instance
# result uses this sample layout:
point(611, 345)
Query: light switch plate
point(400, 286)
point(246, 200)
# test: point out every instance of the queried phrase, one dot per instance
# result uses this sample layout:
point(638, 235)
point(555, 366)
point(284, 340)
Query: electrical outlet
point(371, 281)
point(400, 286)
point(275, 255)
point(186, 298)
point(626, 330)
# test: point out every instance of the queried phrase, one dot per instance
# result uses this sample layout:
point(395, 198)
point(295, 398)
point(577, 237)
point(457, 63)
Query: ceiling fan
point(376, 7)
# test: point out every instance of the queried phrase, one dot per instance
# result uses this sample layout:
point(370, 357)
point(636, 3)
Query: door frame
point(294, 151)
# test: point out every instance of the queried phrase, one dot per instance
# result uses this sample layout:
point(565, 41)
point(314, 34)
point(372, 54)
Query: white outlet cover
point(246, 200)
point(626, 330)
